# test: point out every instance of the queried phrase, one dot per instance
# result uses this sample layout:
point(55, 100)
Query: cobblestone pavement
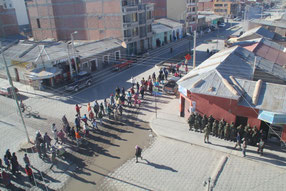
point(242, 174)
point(166, 165)
point(175, 165)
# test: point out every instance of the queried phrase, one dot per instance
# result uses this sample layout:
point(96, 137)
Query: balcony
point(191, 4)
point(191, 13)
point(128, 9)
point(130, 24)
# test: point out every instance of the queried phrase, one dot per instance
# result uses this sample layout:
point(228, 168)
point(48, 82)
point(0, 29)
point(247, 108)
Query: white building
point(21, 11)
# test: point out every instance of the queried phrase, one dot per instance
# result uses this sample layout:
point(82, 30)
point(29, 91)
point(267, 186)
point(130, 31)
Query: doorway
point(241, 121)
point(182, 114)
point(264, 126)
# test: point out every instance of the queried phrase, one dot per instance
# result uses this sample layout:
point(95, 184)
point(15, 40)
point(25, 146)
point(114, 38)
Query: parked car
point(171, 87)
point(81, 80)
point(208, 30)
point(120, 65)
point(221, 25)
point(237, 19)
point(7, 90)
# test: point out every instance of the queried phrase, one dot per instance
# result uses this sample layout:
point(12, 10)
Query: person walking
point(101, 109)
point(84, 119)
point(77, 109)
point(8, 154)
point(237, 141)
point(77, 122)
point(61, 135)
point(5, 178)
point(138, 152)
point(94, 124)
point(137, 86)
point(15, 164)
point(111, 99)
point(43, 150)
point(96, 108)
point(88, 107)
point(29, 173)
point(244, 145)
point(47, 141)
point(7, 162)
point(260, 146)
point(142, 92)
point(26, 160)
point(100, 116)
point(53, 157)
point(207, 133)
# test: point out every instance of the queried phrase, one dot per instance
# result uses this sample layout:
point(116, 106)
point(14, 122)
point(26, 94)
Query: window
point(149, 15)
point(38, 23)
point(149, 28)
point(105, 59)
point(194, 9)
point(117, 55)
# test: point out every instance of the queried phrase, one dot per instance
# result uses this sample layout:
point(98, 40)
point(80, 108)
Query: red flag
point(188, 57)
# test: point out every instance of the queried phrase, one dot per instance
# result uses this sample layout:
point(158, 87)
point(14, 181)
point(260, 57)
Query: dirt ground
point(109, 148)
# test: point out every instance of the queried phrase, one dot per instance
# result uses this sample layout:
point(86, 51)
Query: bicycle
point(27, 111)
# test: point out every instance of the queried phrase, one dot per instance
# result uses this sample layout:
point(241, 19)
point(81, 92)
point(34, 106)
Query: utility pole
point(194, 55)
point(73, 51)
point(14, 94)
point(69, 60)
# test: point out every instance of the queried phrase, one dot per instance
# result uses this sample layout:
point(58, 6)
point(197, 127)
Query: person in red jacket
point(29, 173)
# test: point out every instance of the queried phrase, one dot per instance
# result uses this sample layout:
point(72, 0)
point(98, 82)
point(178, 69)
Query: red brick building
point(205, 5)
point(228, 86)
point(8, 22)
point(160, 8)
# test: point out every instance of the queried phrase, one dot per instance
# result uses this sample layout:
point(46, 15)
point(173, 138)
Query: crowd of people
point(240, 134)
point(11, 167)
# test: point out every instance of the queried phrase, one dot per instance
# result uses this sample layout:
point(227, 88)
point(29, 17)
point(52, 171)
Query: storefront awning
point(41, 74)
point(272, 118)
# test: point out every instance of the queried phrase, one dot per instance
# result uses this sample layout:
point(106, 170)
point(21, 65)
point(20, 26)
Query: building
point(227, 8)
point(184, 11)
point(268, 50)
point(55, 62)
point(177, 28)
point(162, 35)
point(160, 8)
point(205, 5)
point(233, 85)
point(8, 19)
point(128, 20)
point(278, 26)
point(21, 12)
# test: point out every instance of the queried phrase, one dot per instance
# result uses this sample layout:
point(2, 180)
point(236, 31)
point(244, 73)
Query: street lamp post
point(14, 94)
point(73, 50)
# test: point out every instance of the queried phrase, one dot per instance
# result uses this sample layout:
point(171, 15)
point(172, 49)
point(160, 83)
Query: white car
point(221, 25)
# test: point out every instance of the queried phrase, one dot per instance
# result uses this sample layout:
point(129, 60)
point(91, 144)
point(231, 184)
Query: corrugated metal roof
point(169, 23)
point(271, 51)
point(159, 28)
point(272, 97)
point(29, 51)
point(280, 24)
point(260, 31)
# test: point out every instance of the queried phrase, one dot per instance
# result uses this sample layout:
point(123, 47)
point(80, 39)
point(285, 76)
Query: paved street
point(166, 165)
point(173, 165)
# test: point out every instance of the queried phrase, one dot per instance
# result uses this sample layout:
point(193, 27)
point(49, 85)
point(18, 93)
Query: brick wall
point(205, 6)
point(94, 20)
point(160, 8)
point(8, 22)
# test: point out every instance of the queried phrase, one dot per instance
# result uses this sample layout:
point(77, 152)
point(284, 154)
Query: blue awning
point(272, 118)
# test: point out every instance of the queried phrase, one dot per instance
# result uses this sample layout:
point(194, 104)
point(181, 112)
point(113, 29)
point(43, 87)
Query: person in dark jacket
point(138, 152)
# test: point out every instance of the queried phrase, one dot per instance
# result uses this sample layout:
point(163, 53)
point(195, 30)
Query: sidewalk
point(169, 124)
